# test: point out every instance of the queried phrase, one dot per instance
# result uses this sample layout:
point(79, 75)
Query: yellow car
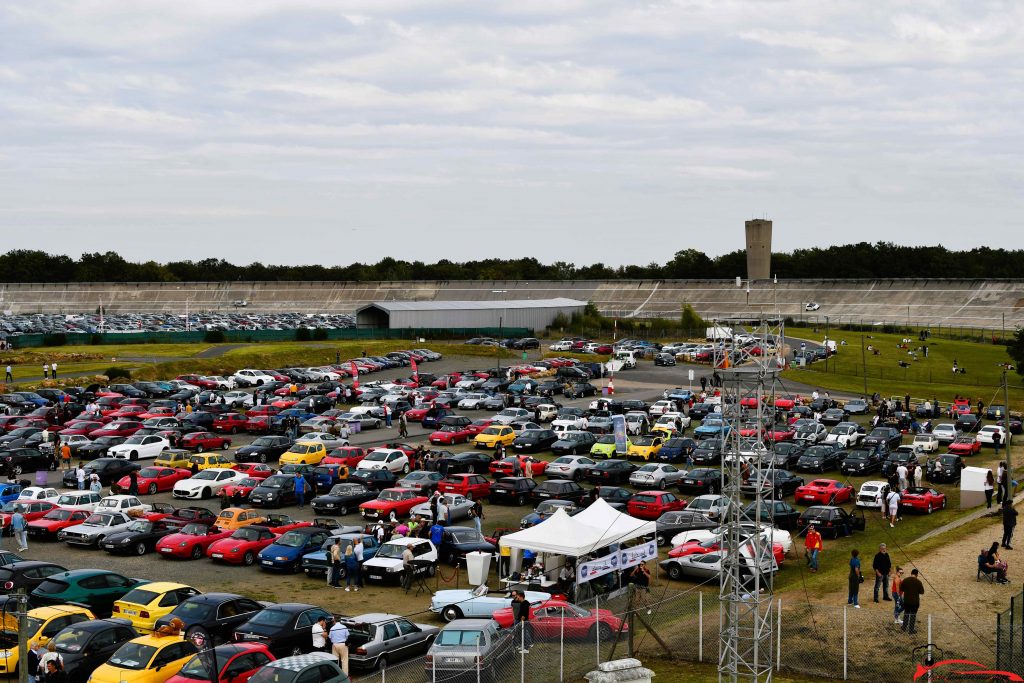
point(492, 436)
point(304, 453)
point(174, 457)
point(644, 447)
point(145, 604)
point(207, 461)
point(605, 447)
point(43, 623)
point(664, 431)
point(235, 518)
point(149, 659)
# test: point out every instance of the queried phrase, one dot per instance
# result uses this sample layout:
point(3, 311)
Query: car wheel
point(431, 570)
point(99, 541)
point(134, 455)
point(234, 430)
point(140, 548)
point(451, 613)
point(248, 559)
point(662, 541)
point(199, 448)
point(152, 489)
point(602, 630)
point(197, 552)
point(675, 572)
point(929, 508)
point(263, 458)
point(520, 500)
point(206, 493)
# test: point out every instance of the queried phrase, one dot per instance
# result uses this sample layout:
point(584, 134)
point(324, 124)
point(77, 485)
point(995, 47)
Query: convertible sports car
point(451, 434)
point(922, 499)
point(506, 467)
point(713, 545)
point(397, 501)
point(153, 480)
point(965, 445)
point(191, 542)
point(242, 546)
point(553, 619)
point(463, 603)
point(824, 492)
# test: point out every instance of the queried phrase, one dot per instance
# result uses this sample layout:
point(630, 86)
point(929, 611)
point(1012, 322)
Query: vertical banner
point(415, 372)
point(355, 374)
point(619, 429)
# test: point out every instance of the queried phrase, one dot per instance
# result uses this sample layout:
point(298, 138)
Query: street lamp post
point(826, 343)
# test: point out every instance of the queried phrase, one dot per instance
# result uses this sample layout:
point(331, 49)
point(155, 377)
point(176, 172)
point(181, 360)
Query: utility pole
point(501, 333)
point(22, 635)
point(864, 362)
point(826, 343)
point(1006, 425)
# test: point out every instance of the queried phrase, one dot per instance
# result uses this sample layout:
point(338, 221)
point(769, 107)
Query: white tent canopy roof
point(598, 526)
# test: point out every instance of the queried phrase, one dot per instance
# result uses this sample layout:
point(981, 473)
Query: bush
point(689, 320)
point(302, 334)
point(96, 339)
point(319, 334)
point(59, 339)
point(117, 373)
point(214, 337)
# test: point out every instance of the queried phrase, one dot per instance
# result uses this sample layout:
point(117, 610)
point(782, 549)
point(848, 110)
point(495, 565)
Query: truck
point(718, 333)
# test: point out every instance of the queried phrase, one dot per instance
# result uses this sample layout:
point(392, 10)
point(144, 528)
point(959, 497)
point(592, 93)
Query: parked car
point(377, 640)
point(831, 520)
point(286, 629)
point(386, 565)
point(460, 603)
point(95, 589)
point(511, 490)
point(218, 614)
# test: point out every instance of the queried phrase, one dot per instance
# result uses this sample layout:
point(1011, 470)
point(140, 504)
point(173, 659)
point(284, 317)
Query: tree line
point(862, 260)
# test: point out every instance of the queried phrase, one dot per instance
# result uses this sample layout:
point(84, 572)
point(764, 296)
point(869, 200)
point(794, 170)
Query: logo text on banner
point(621, 559)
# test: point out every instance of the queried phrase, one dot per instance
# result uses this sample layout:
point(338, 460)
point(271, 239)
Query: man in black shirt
point(882, 564)
point(521, 613)
point(1009, 522)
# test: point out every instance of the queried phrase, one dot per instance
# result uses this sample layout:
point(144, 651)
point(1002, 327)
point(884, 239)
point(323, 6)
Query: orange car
point(230, 519)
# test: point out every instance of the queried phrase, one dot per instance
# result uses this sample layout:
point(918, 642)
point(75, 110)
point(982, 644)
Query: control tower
point(759, 249)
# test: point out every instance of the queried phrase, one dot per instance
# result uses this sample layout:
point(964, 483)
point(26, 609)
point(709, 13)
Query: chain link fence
point(1010, 636)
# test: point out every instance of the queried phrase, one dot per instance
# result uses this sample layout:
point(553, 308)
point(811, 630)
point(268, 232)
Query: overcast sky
point(294, 131)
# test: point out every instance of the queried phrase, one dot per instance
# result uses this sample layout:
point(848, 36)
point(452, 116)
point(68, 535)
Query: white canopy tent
point(598, 526)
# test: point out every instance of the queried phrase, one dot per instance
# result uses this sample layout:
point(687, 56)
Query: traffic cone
point(611, 386)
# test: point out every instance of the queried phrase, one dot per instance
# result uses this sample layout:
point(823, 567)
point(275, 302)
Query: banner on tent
point(619, 429)
point(620, 559)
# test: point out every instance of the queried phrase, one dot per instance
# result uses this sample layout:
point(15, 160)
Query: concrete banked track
point(974, 303)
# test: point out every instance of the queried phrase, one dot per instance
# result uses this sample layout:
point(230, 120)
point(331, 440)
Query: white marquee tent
point(598, 526)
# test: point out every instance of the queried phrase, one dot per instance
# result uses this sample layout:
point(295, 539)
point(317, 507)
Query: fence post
point(1009, 655)
point(930, 641)
point(700, 627)
point(999, 640)
point(561, 649)
point(522, 653)
point(778, 636)
point(597, 630)
point(845, 651)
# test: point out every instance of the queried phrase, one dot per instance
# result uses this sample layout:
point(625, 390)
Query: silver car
point(656, 475)
point(714, 506)
point(458, 507)
point(569, 467)
point(377, 640)
point(95, 528)
point(708, 566)
point(464, 645)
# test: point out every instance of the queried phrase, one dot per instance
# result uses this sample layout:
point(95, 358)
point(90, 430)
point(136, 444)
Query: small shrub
point(117, 373)
point(319, 334)
point(214, 337)
point(302, 334)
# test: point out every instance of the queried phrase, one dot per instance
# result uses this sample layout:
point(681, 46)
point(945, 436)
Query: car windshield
point(264, 441)
point(132, 656)
point(246, 534)
point(292, 539)
point(205, 475)
point(376, 456)
point(274, 674)
point(195, 530)
point(132, 440)
point(100, 520)
point(270, 617)
point(467, 536)
point(345, 489)
point(140, 596)
point(71, 639)
point(276, 482)
point(857, 455)
point(643, 441)
point(14, 506)
point(458, 637)
point(141, 525)
point(302, 449)
point(702, 504)
point(392, 550)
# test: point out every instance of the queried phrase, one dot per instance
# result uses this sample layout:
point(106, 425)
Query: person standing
point(95, 485)
point(339, 644)
point(912, 590)
point(387, 415)
point(334, 579)
point(477, 514)
point(8, 377)
point(919, 475)
point(403, 426)
point(855, 579)
point(1001, 483)
point(133, 483)
point(990, 484)
point(46, 371)
point(521, 613)
point(20, 528)
point(813, 547)
point(882, 565)
point(319, 634)
point(53, 371)
point(65, 456)
point(1009, 523)
point(893, 501)
point(33, 654)
point(358, 551)
point(997, 438)
point(300, 490)
point(351, 569)
point(901, 472)
point(407, 568)
point(897, 595)
point(80, 477)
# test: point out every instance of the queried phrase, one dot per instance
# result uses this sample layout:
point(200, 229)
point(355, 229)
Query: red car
point(505, 467)
point(285, 403)
point(451, 434)
point(80, 428)
point(242, 546)
point(258, 424)
point(243, 487)
point(31, 510)
point(153, 480)
point(965, 445)
point(238, 662)
point(922, 499)
point(116, 428)
point(197, 381)
point(653, 504)
point(204, 441)
point(477, 426)
point(279, 523)
point(961, 406)
point(7, 422)
point(472, 486)
point(824, 492)
point(749, 401)
point(554, 619)
point(255, 470)
point(784, 404)
point(55, 520)
point(262, 410)
point(230, 422)
point(349, 456)
point(712, 545)
point(416, 414)
point(129, 411)
point(781, 432)
point(157, 411)
point(397, 501)
point(191, 542)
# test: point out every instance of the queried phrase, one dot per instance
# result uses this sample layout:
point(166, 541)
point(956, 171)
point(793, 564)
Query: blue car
point(327, 476)
point(285, 554)
point(432, 420)
point(33, 398)
point(317, 563)
point(676, 449)
point(711, 427)
point(9, 492)
point(678, 394)
point(303, 415)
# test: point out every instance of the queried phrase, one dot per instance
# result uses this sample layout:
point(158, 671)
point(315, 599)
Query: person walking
point(338, 636)
point(813, 548)
point(901, 473)
point(351, 569)
point(8, 377)
point(65, 456)
point(912, 590)
point(855, 579)
point(334, 576)
point(897, 595)
point(882, 565)
point(997, 438)
point(1009, 523)
point(892, 500)
point(80, 477)
point(20, 529)
point(477, 514)
point(521, 614)
point(990, 484)
point(403, 426)
point(300, 490)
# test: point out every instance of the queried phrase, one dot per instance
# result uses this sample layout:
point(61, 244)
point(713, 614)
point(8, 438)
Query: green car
point(605, 447)
point(96, 589)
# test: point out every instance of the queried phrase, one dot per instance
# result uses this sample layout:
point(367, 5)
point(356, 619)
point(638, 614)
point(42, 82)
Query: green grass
point(676, 671)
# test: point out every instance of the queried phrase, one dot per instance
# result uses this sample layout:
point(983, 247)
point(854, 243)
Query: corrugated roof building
point(533, 314)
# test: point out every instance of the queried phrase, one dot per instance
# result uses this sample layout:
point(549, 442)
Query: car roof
point(300, 662)
point(164, 586)
point(469, 623)
point(214, 597)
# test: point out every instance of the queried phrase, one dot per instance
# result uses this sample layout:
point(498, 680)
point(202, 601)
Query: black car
point(861, 461)
point(775, 483)
point(700, 481)
point(831, 520)
point(561, 489)
point(468, 462)
point(19, 437)
point(192, 514)
point(285, 628)
point(424, 481)
point(666, 359)
point(616, 496)
point(26, 574)
point(613, 471)
point(263, 449)
point(897, 458)
point(708, 452)
point(511, 490)
point(24, 460)
point(967, 423)
point(97, 448)
point(820, 458)
point(582, 389)
point(822, 404)
point(343, 498)
point(128, 390)
point(944, 469)
point(219, 614)
point(533, 440)
point(833, 416)
point(672, 523)
point(778, 513)
point(378, 480)
point(698, 411)
point(631, 404)
point(84, 644)
point(109, 470)
point(573, 443)
point(459, 540)
point(139, 538)
point(787, 453)
point(276, 491)
point(890, 436)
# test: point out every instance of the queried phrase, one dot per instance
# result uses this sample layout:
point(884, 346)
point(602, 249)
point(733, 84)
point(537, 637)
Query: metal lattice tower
point(746, 594)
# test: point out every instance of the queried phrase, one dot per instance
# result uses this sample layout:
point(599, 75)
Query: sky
point(301, 131)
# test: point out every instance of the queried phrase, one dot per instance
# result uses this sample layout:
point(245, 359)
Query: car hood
point(383, 562)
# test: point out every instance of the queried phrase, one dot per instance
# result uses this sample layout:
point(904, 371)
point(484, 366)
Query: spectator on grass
point(855, 579)
point(912, 589)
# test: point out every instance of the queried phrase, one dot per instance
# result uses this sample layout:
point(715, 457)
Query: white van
point(627, 358)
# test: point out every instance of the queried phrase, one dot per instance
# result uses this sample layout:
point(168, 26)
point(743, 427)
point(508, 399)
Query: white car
point(206, 483)
point(546, 412)
point(812, 433)
point(769, 534)
point(222, 382)
point(637, 423)
point(123, 504)
point(323, 374)
point(182, 384)
point(238, 399)
point(470, 383)
point(986, 433)
point(929, 443)
point(561, 346)
point(367, 409)
point(845, 434)
point(389, 459)
point(510, 415)
point(945, 432)
point(472, 401)
point(95, 528)
point(386, 564)
point(74, 441)
point(569, 467)
point(812, 306)
point(653, 475)
point(712, 505)
point(328, 440)
point(139, 447)
point(79, 500)
point(251, 378)
point(569, 418)
point(39, 493)
point(871, 494)
point(661, 407)
point(676, 421)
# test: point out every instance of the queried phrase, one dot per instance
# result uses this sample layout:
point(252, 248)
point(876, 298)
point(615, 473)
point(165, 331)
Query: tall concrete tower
point(759, 249)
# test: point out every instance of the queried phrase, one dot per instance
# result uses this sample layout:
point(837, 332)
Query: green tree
point(1016, 350)
point(690, 320)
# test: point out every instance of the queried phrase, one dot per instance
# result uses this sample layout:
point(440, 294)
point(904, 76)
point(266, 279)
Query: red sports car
point(242, 546)
point(262, 410)
point(285, 403)
point(824, 492)
point(416, 414)
point(922, 499)
point(259, 424)
point(256, 470)
point(80, 428)
point(129, 411)
point(55, 520)
point(477, 426)
point(397, 501)
point(244, 487)
point(31, 510)
point(781, 432)
point(505, 467)
point(712, 545)
point(749, 401)
point(197, 381)
point(961, 406)
point(965, 445)
point(554, 619)
point(204, 441)
point(472, 486)
point(230, 422)
point(653, 504)
point(154, 479)
point(784, 403)
point(751, 429)
point(349, 456)
point(451, 434)
point(156, 411)
point(116, 428)
point(191, 542)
